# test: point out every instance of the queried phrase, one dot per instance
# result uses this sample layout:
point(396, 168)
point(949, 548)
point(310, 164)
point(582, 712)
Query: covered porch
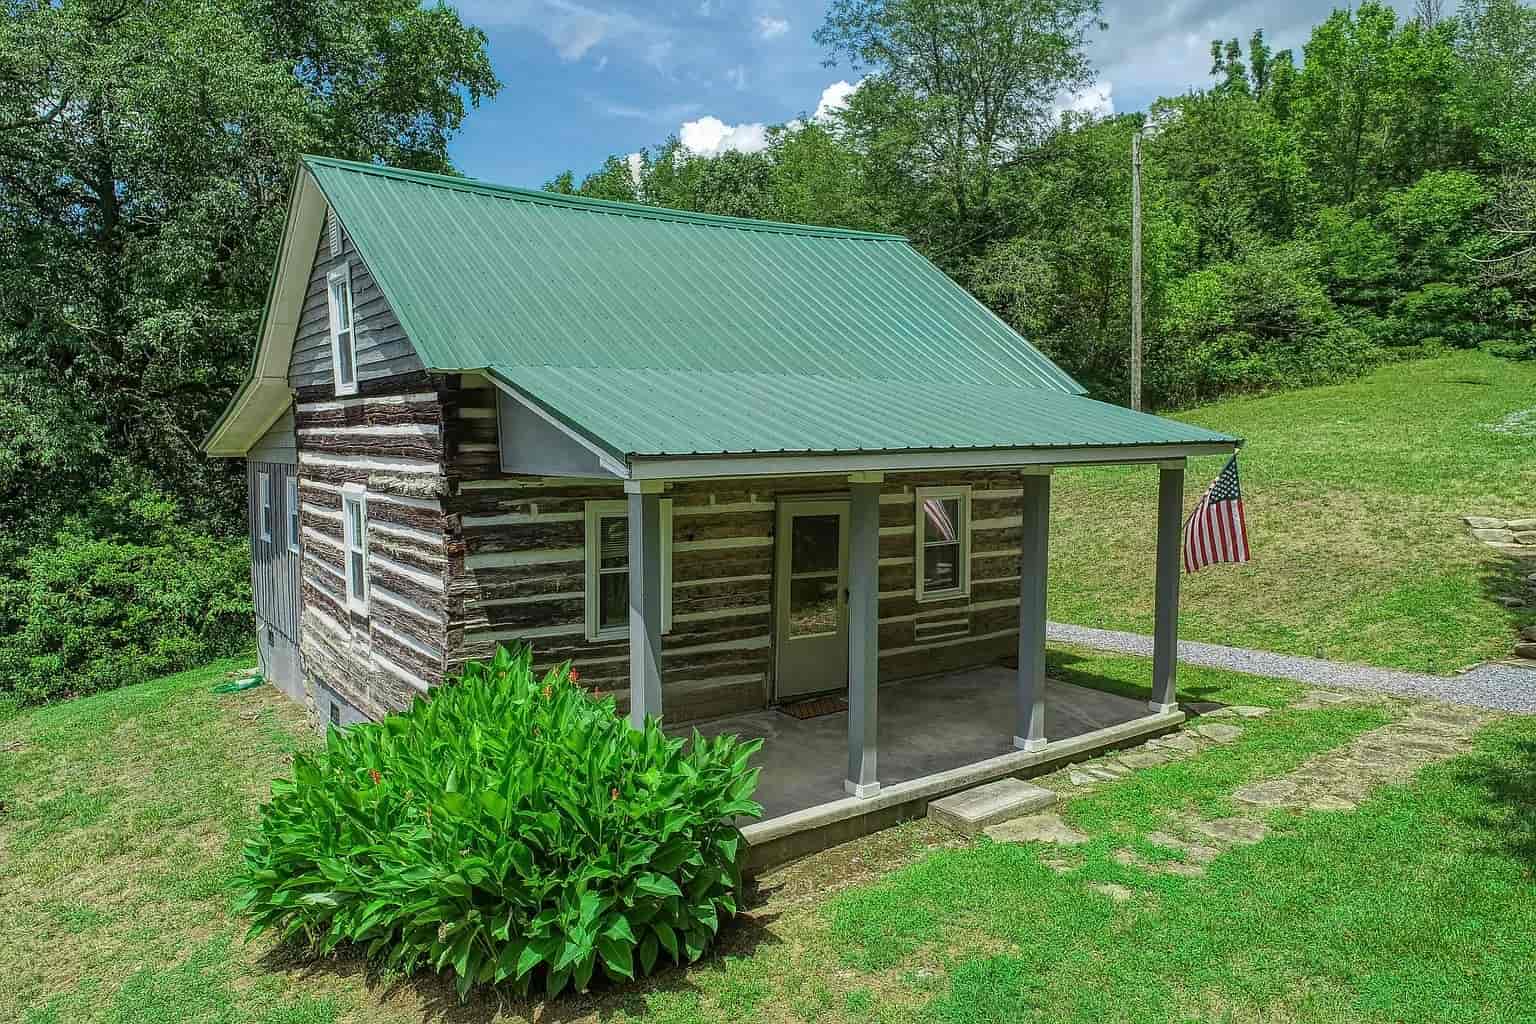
point(904, 743)
point(897, 746)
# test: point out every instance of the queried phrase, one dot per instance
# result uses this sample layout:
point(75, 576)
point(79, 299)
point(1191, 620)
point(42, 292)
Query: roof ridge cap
point(789, 375)
point(611, 207)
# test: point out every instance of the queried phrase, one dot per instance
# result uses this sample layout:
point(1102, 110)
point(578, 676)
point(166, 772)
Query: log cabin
point(721, 465)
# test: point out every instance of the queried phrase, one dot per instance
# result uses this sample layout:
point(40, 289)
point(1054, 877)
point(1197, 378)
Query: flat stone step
point(973, 810)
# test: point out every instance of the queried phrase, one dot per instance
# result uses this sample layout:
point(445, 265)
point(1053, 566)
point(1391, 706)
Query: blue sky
point(586, 78)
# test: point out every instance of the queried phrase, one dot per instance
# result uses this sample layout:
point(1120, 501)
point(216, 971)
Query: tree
point(1496, 102)
point(1373, 102)
point(146, 153)
point(968, 84)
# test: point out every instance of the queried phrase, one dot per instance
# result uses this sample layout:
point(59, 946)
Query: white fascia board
point(266, 393)
point(710, 466)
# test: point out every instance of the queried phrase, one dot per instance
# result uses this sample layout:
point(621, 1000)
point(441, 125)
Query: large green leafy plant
point(510, 828)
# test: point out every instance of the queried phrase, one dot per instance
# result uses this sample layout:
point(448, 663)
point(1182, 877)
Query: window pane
point(355, 560)
point(613, 542)
point(814, 543)
point(941, 567)
point(613, 599)
point(344, 346)
point(355, 514)
point(341, 298)
point(812, 606)
point(941, 519)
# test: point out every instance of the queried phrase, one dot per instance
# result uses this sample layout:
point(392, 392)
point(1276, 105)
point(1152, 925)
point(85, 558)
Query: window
point(293, 514)
point(943, 542)
point(354, 529)
point(264, 496)
point(607, 590)
point(343, 337)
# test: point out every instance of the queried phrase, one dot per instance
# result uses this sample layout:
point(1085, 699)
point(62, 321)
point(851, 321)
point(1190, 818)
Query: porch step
point(974, 809)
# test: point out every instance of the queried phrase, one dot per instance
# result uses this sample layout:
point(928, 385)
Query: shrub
point(509, 828)
point(88, 612)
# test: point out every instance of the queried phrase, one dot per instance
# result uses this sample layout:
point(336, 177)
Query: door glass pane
point(815, 543)
point(941, 519)
point(941, 567)
point(613, 599)
point(613, 542)
point(813, 605)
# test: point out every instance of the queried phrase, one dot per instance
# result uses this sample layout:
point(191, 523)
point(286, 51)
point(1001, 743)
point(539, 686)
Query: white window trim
point(349, 542)
point(264, 509)
point(963, 492)
point(293, 514)
point(596, 510)
point(342, 273)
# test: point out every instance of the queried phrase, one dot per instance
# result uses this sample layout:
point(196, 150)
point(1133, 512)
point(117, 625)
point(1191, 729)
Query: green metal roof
point(709, 412)
point(481, 275)
point(656, 332)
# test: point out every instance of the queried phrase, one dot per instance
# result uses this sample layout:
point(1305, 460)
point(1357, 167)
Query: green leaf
point(618, 928)
point(618, 957)
point(668, 939)
point(649, 949)
point(657, 885)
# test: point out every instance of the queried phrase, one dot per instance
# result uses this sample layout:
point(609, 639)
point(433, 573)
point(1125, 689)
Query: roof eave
point(250, 414)
point(706, 466)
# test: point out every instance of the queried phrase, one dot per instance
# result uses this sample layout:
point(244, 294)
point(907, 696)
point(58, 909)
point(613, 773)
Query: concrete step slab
point(974, 809)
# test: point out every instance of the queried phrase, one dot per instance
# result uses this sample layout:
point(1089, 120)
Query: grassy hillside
point(121, 818)
point(1354, 496)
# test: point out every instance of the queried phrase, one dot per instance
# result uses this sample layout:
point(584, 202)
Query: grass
point(1354, 495)
point(123, 816)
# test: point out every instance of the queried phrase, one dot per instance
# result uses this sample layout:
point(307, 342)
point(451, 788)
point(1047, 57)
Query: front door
point(811, 577)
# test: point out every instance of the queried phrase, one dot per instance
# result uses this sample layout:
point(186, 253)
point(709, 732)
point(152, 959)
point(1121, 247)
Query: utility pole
point(1136, 270)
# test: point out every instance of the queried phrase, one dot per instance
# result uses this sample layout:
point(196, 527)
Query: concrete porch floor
point(928, 726)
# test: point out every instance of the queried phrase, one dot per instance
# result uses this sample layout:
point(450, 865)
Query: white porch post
point(1165, 624)
point(863, 632)
point(644, 600)
point(1034, 563)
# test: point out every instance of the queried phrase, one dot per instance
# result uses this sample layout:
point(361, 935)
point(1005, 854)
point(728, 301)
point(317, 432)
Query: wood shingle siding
point(384, 354)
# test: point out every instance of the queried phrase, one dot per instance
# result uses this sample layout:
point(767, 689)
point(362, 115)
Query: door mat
point(815, 708)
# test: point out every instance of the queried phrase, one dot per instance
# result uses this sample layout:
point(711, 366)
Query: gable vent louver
point(333, 230)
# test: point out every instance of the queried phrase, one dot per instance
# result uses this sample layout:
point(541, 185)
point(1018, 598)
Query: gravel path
point(1497, 686)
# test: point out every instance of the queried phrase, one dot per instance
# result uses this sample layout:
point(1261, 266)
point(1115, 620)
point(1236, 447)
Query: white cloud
point(737, 76)
point(1097, 100)
point(572, 28)
point(665, 112)
point(710, 136)
point(834, 98)
point(636, 162)
point(771, 28)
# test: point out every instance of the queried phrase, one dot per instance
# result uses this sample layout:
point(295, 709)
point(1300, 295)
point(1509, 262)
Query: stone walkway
point(1496, 686)
point(1334, 780)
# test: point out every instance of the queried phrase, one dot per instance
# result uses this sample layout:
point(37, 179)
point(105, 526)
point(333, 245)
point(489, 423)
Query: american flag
point(1216, 530)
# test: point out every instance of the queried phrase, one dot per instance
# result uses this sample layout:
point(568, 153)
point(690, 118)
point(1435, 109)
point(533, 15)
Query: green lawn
point(122, 816)
point(1354, 496)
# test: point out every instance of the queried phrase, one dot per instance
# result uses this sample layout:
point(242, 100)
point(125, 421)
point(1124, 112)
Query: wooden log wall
point(517, 572)
point(389, 439)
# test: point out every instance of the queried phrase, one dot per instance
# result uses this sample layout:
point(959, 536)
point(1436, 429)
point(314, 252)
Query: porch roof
point(637, 414)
